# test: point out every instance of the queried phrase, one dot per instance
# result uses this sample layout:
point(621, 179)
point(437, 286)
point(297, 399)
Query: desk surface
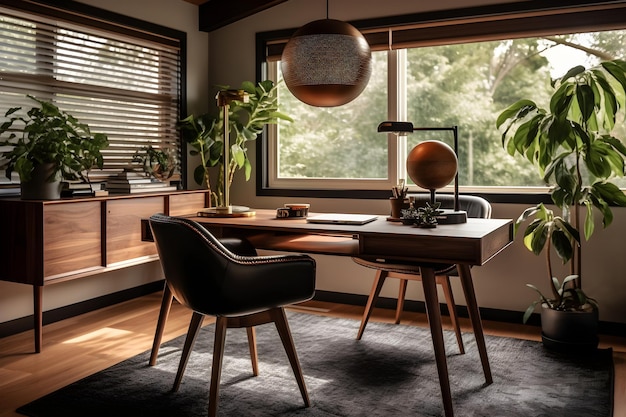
point(473, 243)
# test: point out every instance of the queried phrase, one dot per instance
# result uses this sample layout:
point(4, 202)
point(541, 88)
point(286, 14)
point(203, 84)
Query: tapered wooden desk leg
point(38, 316)
point(434, 320)
point(166, 304)
point(474, 314)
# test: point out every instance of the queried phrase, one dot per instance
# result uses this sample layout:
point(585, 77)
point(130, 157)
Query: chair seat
point(405, 268)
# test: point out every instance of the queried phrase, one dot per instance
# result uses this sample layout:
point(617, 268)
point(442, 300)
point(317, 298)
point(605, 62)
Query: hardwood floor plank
point(83, 345)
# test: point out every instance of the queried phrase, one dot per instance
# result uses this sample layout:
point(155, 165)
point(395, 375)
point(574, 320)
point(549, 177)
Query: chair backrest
point(194, 262)
point(476, 207)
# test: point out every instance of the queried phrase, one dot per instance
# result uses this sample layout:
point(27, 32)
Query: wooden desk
point(472, 243)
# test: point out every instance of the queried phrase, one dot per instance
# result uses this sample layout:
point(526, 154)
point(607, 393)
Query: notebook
point(342, 218)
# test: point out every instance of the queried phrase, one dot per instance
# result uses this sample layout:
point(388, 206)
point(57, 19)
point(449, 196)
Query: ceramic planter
point(569, 331)
point(39, 187)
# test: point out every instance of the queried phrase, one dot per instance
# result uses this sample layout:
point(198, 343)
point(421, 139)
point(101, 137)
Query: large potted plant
point(45, 146)
point(246, 121)
point(575, 153)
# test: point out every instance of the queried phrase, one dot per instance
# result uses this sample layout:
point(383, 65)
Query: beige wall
point(499, 284)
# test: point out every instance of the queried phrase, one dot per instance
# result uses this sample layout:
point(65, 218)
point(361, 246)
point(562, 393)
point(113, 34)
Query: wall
point(500, 284)
point(16, 299)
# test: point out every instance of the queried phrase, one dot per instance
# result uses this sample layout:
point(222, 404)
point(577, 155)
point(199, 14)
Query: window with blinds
point(121, 81)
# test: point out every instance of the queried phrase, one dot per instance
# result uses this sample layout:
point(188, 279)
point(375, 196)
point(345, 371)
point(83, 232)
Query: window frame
point(119, 27)
point(515, 20)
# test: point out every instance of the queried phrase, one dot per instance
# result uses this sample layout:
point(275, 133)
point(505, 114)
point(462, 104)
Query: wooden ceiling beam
point(215, 14)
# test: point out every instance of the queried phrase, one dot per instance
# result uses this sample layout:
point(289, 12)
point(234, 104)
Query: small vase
point(39, 187)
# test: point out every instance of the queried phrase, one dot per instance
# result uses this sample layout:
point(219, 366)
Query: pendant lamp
point(326, 63)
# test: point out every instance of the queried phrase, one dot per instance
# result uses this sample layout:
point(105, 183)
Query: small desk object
point(466, 244)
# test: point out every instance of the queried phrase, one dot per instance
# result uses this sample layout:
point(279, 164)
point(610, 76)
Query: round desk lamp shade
point(431, 164)
point(326, 63)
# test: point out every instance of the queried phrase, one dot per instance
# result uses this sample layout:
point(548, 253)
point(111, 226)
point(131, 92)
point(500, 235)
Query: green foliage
point(567, 297)
point(159, 163)
point(574, 152)
point(246, 120)
point(49, 135)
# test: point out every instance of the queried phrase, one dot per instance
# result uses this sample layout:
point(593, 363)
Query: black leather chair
point(241, 291)
point(476, 207)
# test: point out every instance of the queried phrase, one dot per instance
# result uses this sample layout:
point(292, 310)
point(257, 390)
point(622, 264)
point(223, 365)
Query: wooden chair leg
point(401, 296)
point(280, 320)
point(371, 301)
point(253, 352)
point(166, 304)
point(216, 371)
point(190, 340)
point(444, 281)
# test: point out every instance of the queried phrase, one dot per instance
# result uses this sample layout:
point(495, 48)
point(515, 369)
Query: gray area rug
point(390, 372)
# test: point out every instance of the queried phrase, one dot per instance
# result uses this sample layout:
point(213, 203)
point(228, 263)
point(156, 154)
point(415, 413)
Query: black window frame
point(519, 19)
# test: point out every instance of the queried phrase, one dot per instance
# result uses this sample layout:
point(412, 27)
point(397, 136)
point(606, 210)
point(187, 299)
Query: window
point(462, 72)
point(122, 80)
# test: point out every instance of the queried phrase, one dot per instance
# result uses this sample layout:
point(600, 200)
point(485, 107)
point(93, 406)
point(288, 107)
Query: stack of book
point(9, 186)
point(130, 182)
point(82, 189)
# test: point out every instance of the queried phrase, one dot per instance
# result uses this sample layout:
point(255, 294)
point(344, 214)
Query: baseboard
point(498, 315)
point(506, 316)
point(26, 323)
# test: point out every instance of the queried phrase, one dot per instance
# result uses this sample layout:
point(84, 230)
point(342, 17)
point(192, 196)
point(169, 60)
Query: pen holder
point(397, 204)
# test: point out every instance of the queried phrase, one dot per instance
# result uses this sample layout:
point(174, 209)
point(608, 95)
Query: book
point(161, 189)
point(129, 180)
point(128, 174)
point(80, 185)
point(130, 186)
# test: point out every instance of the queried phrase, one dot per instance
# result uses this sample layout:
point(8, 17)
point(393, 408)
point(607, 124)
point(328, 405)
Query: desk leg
point(38, 316)
point(166, 303)
point(434, 320)
point(474, 313)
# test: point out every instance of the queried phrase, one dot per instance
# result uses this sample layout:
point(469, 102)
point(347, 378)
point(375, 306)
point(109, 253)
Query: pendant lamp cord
point(326, 9)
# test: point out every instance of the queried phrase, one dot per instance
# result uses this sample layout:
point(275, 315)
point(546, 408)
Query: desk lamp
point(432, 164)
point(224, 98)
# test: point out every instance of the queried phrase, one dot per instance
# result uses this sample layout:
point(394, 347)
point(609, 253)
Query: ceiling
point(215, 14)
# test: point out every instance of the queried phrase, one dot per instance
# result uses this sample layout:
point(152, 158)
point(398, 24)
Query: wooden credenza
point(52, 241)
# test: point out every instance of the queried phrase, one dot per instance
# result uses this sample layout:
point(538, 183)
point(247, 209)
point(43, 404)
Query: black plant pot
point(39, 187)
point(569, 331)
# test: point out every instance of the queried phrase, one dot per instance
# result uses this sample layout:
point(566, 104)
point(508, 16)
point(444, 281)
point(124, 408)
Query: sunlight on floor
point(100, 335)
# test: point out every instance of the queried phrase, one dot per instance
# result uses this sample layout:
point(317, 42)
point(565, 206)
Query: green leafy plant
point(246, 121)
point(48, 135)
point(575, 153)
point(159, 163)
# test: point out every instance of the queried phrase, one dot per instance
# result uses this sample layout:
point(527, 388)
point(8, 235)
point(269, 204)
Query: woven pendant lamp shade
point(326, 63)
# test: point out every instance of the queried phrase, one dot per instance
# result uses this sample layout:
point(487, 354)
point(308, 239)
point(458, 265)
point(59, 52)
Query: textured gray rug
point(391, 372)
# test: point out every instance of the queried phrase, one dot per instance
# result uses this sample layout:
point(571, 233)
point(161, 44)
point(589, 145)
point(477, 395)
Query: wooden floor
point(83, 345)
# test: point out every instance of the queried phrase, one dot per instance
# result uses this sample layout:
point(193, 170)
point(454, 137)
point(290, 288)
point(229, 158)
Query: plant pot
point(569, 331)
point(39, 187)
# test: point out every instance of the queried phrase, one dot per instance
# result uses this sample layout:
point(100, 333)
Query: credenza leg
point(38, 315)
point(474, 314)
point(166, 304)
point(434, 320)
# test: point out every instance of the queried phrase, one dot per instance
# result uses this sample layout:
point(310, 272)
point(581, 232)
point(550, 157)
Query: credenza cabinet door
point(123, 227)
point(72, 238)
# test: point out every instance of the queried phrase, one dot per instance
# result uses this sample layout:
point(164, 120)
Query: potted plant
point(156, 162)
point(575, 153)
point(45, 146)
point(246, 121)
